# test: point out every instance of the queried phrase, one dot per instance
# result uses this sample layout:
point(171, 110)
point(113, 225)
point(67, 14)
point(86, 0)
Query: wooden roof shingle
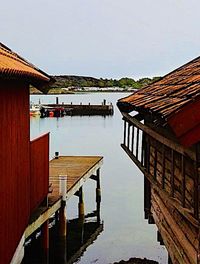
point(168, 95)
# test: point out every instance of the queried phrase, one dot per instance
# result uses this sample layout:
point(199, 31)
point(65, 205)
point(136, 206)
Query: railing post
point(132, 140)
point(63, 186)
point(143, 148)
point(125, 132)
point(137, 143)
point(62, 212)
point(147, 154)
point(128, 141)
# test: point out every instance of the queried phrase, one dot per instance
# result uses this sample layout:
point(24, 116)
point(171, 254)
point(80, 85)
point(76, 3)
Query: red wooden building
point(162, 137)
point(24, 165)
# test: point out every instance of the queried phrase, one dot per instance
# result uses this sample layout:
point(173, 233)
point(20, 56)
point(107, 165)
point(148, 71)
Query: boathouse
point(24, 164)
point(33, 189)
point(162, 137)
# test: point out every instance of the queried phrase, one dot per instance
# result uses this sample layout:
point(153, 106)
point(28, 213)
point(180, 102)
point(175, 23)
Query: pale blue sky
point(103, 38)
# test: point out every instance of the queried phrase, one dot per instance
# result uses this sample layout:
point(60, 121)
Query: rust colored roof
point(167, 96)
point(12, 66)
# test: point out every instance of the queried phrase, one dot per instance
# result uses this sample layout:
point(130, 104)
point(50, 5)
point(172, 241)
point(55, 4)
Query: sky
point(103, 38)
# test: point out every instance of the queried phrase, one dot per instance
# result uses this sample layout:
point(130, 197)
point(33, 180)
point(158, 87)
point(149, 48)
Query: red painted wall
point(186, 124)
point(14, 165)
point(39, 170)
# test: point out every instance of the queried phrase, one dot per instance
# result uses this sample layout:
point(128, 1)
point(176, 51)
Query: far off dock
point(61, 109)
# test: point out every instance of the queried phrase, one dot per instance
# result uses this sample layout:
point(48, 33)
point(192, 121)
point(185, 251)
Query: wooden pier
point(77, 168)
point(59, 110)
point(73, 171)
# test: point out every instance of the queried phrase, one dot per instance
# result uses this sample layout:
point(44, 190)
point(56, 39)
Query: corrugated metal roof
point(168, 95)
point(14, 66)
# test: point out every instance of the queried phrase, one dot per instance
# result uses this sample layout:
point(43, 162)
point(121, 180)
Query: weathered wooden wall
point(14, 165)
point(172, 193)
point(176, 179)
point(39, 170)
point(180, 236)
point(182, 186)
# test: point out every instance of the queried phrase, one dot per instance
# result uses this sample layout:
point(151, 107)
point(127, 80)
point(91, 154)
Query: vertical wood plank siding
point(14, 165)
point(39, 170)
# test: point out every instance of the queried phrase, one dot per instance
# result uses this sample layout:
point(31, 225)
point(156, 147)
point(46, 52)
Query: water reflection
point(81, 233)
point(80, 236)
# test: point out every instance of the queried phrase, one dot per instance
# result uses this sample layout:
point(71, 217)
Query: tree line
point(65, 81)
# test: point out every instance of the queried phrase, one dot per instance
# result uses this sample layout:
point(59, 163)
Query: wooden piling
point(62, 221)
point(81, 209)
point(98, 188)
point(147, 197)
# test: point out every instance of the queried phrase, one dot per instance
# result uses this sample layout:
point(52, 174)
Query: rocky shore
point(137, 261)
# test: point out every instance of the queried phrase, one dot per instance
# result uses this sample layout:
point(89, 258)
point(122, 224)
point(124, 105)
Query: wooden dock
point(78, 170)
point(59, 110)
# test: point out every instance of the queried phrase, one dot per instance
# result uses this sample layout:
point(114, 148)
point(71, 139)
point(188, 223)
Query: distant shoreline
point(64, 91)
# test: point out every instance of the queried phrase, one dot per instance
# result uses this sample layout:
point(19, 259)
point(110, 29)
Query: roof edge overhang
point(35, 76)
point(125, 107)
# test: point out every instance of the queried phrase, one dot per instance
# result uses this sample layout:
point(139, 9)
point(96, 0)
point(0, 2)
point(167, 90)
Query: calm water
point(125, 232)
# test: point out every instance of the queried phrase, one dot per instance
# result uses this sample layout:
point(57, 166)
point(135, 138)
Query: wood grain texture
point(14, 165)
point(75, 167)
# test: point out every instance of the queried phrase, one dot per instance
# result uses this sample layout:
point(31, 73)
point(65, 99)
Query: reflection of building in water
point(163, 139)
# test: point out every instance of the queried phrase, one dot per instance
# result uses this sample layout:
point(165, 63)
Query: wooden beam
point(78, 185)
point(42, 219)
point(163, 166)
point(168, 142)
point(183, 179)
point(172, 173)
point(155, 163)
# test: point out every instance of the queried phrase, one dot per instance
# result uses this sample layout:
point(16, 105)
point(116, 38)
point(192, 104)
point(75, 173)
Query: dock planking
point(78, 170)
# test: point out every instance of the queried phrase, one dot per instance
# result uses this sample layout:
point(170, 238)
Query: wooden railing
point(169, 166)
point(39, 170)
